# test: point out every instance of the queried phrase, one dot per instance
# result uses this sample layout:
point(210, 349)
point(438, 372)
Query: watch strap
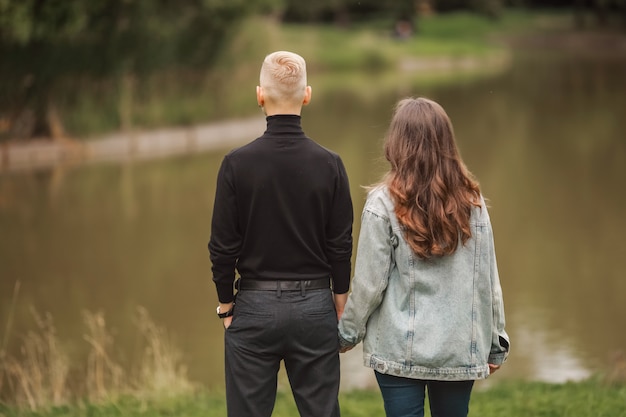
point(225, 314)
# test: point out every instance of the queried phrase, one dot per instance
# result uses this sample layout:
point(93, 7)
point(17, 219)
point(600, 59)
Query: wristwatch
point(226, 314)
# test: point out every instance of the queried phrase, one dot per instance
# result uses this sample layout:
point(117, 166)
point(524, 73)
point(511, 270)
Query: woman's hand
point(493, 368)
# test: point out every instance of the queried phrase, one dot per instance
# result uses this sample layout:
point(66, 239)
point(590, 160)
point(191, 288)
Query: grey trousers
point(298, 328)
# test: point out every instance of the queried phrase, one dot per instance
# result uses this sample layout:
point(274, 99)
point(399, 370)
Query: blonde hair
point(283, 78)
point(433, 191)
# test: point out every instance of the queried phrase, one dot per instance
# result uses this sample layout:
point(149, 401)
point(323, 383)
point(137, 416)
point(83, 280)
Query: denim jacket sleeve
point(500, 344)
point(373, 263)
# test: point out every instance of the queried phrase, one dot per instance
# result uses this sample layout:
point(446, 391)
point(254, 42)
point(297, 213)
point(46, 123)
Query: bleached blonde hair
point(283, 78)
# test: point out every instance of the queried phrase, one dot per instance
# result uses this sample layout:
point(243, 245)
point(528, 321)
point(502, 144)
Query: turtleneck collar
point(284, 124)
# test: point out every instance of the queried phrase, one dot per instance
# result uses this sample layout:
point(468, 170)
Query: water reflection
point(545, 140)
point(553, 166)
point(556, 359)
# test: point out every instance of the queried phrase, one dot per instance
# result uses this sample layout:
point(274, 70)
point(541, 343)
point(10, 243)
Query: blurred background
point(105, 278)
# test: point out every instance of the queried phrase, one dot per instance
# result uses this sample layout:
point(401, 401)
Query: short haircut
point(283, 78)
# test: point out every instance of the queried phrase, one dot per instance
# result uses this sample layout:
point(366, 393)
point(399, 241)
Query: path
point(37, 154)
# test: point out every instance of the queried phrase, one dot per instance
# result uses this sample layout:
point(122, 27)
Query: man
point(283, 220)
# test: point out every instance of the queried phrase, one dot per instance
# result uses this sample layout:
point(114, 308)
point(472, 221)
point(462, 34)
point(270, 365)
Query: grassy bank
point(43, 381)
point(356, 57)
point(591, 398)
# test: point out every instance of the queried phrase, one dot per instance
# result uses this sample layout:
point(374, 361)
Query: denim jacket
point(436, 319)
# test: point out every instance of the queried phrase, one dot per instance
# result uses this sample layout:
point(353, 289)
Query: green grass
point(451, 35)
point(590, 398)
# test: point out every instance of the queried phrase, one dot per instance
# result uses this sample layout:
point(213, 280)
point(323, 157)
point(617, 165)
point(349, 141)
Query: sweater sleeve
point(225, 242)
point(339, 232)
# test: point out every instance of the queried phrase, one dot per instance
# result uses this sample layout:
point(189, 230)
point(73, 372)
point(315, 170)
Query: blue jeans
point(297, 328)
point(404, 397)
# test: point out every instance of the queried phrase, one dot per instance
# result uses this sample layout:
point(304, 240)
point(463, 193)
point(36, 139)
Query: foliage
point(103, 35)
point(345, 11)
point(50, 43)
point(87, 105)
point(78, 68)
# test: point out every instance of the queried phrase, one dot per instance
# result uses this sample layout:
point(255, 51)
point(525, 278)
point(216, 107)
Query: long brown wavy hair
point(432, 189)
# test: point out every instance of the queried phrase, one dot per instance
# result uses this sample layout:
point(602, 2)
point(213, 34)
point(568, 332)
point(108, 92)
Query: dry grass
point(105, 378)
point(38, 378)
point(161, 372)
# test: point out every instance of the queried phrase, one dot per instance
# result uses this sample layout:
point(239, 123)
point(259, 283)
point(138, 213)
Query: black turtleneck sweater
point(282, 211)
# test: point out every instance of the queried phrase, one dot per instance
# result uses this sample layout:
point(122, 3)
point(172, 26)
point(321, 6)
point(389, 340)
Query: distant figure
point(426, 299)
point(283, 220)
point(403, 29)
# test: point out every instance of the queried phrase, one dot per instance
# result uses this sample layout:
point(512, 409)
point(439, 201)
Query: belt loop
point(278, 289)
point(303, 288)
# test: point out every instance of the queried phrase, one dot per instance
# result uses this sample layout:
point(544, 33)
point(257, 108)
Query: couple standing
point(426, 299)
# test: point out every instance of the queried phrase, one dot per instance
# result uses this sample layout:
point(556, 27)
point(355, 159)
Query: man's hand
point(224, 307)
point(340, 303)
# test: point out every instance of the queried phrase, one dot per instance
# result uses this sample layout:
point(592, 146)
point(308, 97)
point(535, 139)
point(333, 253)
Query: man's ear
point(259, 96)
point(307, 96)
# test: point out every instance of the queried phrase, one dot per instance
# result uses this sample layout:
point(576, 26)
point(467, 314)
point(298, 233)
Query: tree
point(44, 41)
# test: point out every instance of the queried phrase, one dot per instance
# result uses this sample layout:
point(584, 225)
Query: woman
point(426, 299)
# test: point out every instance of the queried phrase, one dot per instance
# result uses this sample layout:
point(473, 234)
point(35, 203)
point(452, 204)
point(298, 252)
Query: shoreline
point(128, 146)
point(45, 153)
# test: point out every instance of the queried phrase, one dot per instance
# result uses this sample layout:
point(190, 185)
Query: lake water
point(545, 139)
